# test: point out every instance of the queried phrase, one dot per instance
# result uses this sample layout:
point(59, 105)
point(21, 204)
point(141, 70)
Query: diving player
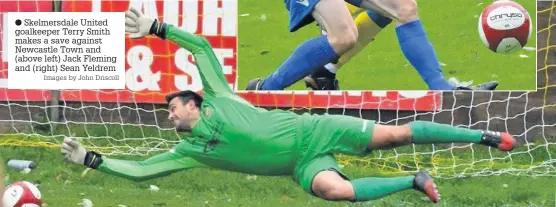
point(229, 133)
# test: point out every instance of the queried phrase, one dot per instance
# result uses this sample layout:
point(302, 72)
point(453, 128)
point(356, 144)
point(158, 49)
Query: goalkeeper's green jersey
point(231, 133)
point(234, 135)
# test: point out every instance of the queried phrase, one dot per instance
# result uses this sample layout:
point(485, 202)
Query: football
point(22, 194)
point(505, 26)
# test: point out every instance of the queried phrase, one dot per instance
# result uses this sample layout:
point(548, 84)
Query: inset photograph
point(387, 45)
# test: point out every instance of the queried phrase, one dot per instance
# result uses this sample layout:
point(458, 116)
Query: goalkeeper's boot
point(424, 183)
point(488, 86)
point(255, 84)
point(501, 140)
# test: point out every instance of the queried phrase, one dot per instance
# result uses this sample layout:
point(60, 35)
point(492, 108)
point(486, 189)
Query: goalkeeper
point(228, 133)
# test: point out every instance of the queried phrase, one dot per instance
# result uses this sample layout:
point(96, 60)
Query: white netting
point(129, 126)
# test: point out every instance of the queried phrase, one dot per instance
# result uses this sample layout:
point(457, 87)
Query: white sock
point(330, 67)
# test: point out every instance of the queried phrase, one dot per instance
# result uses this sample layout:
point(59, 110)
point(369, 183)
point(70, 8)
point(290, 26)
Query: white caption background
point(86, 54)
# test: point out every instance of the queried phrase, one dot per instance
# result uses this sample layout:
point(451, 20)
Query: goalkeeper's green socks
point(372, 188)
point(424, 132)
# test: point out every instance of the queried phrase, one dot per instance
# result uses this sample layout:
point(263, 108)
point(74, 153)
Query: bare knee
point(344, 40)
point(406, 11)
point(402, 135)
point(330, 186)
point(337, 192)
point(398, 135)
point(386, 136)
point(334, 17)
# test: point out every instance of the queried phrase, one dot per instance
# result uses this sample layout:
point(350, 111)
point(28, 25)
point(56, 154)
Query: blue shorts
point(300, 13)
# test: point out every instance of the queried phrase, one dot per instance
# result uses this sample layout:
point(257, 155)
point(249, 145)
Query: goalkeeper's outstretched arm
point(210, 69)
point(157, 166)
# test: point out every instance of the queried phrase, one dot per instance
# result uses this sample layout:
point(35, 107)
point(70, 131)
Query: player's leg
point(414, 42)
point(353, 10)
point(355, 136)
point(369, 24)
point(315, 52)
point(323, 178)
point(425, 132)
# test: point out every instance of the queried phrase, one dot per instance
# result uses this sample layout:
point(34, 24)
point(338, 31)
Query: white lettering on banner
point(378, 93)
point(96, 5)
point(405, 94)
point(228, 14)
point(3, 83)
point(211, 13)
point(141, 68)
point(147, 7)
point(354, 93)
point(221, 54)
point(182, 58)
point(413, 94)
point(171, 12)
point(189, 15)
point(336, 93)
point(183, 64)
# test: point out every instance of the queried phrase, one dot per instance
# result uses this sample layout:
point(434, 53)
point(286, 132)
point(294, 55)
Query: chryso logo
point(506, 16)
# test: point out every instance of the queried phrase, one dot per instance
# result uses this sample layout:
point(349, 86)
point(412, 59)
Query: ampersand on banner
point(140, 68)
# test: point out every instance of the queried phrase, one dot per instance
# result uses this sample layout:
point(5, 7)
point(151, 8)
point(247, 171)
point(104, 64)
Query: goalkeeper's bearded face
point(184, 115)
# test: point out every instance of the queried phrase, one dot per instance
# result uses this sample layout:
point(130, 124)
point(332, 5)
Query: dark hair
point(186, 96)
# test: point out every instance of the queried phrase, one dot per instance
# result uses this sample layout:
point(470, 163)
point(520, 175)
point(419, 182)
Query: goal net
point(134, 121)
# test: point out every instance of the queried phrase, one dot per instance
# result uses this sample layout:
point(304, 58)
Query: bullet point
point(18, 22)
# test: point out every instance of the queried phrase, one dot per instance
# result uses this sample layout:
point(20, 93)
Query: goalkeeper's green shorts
point(326, 135)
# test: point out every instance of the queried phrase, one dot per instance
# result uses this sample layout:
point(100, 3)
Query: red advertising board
point(148, 80)
point(15, 6)
point(387, 100)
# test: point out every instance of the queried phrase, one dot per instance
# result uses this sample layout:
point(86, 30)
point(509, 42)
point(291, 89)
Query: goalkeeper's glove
point(75, 153)
point(138, 25)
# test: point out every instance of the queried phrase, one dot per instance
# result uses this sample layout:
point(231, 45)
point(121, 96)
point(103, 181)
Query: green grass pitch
point(451, 25)
point(62, 185)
